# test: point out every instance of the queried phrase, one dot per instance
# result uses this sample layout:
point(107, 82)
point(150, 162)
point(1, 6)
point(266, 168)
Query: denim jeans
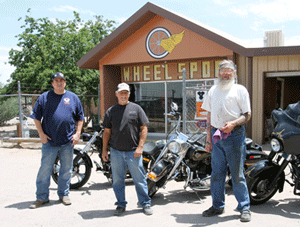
point(229, 152)
point(49, 154)
point(120, 160)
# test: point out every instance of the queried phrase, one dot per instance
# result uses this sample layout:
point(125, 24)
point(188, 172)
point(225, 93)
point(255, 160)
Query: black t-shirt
point(125, 122)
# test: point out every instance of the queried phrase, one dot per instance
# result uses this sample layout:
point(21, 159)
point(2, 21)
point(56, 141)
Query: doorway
point(280, 90)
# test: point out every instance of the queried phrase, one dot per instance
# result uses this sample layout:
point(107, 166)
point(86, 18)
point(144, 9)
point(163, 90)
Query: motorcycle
point(267, 177)
point(82, 163)
point(185, 159)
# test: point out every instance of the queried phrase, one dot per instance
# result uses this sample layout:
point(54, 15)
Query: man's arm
point(244, 118)
point(76, 136)
point(208, 145)
point(106, 137)
point(143, 136)
point(44, 138)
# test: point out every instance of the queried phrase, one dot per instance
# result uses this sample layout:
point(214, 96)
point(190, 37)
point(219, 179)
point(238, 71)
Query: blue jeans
point(120, 160)
point(49, 154)
point(229, 152)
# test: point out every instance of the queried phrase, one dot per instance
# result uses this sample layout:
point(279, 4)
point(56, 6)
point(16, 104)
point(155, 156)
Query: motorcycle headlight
point(275, 145)
point(174, 147)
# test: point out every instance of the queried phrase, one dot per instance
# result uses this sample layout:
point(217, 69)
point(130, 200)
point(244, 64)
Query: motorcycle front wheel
point(154, 186)
point(259, 190)
point(81, 171)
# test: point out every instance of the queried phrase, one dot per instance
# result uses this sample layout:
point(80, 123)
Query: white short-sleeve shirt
point(227, 105)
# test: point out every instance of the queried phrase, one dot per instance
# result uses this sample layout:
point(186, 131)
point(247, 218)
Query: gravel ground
point(93, 204)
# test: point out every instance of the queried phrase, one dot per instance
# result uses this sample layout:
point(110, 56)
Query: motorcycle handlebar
point(200, 136)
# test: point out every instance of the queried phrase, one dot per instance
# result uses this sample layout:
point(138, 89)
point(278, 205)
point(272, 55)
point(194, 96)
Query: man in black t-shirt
point(126, 131)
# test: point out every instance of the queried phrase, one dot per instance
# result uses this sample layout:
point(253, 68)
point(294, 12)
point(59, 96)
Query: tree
point(2, 88)
point(8, 109)
point(48, 47)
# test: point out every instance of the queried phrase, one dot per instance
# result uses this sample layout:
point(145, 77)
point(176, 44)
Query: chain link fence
point(17, 105)
point(16, 108)
point(196, 117)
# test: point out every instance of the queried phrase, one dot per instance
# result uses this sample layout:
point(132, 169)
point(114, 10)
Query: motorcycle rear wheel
point(258, 187)
point(81, 171)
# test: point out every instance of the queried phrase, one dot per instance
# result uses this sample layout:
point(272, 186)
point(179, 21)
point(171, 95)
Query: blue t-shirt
point(58, 114)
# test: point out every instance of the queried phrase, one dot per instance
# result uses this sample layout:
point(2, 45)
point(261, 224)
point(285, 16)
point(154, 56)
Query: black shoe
point(119, 211)
point(245, 216)
point(212, 212)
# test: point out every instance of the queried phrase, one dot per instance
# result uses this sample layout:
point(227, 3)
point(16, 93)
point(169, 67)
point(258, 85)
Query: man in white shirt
point(228, 106)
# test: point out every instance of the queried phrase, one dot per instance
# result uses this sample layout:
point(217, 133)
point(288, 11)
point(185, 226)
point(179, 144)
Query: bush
point(8, 109)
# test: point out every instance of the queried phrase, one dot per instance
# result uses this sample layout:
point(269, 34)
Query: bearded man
point(228, 106)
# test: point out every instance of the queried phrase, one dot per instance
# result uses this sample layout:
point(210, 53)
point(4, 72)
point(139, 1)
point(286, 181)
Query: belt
point(237, 127)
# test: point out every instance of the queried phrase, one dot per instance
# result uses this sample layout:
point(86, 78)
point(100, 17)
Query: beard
point(225, 85)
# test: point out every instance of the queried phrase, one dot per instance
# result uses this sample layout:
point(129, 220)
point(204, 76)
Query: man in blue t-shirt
point(55, 115)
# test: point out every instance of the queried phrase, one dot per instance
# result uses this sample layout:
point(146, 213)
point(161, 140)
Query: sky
point(243, 19)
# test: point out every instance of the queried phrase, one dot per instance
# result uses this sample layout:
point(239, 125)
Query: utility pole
point(20, 108)
point(184, 101)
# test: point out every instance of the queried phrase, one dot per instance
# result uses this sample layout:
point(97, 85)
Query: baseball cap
point(123, 87)
point(58, 75)
point(227, 64)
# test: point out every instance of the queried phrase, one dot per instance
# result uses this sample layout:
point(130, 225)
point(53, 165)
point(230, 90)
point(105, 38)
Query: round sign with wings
point(153, 42)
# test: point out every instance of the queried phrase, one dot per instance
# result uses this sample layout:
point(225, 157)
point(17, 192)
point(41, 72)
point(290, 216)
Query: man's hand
point(44, 138)
point(105, 155)
point(76, 136)
point(228, 127)
point(106, 138)
point(138, 152)
point(75, 139)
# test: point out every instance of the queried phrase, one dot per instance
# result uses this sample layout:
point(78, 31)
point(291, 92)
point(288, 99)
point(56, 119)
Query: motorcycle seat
point(150, 148)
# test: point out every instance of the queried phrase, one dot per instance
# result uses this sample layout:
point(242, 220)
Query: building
point(274, 38)
point(151, 49)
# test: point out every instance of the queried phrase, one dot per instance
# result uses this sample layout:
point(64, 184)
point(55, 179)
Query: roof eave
point(131, 25)
point(272, 51)
point(136, 21)
point(148, 12)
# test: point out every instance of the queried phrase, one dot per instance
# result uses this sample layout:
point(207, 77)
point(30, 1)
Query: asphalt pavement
point(93, 204)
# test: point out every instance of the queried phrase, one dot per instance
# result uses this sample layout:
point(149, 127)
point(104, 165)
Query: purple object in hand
point(219, 134)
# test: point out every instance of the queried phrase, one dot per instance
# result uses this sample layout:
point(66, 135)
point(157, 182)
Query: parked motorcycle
point(267, 177)
point(82, 164)
point(185, 159)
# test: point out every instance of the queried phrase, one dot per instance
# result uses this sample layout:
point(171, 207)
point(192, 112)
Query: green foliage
point(48, 47)
point(3, 89)
point(8, 109)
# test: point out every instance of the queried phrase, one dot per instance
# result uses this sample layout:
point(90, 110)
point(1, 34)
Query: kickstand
point(198, 196)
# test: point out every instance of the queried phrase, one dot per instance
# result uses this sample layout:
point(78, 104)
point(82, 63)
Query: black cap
point(58, 75)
